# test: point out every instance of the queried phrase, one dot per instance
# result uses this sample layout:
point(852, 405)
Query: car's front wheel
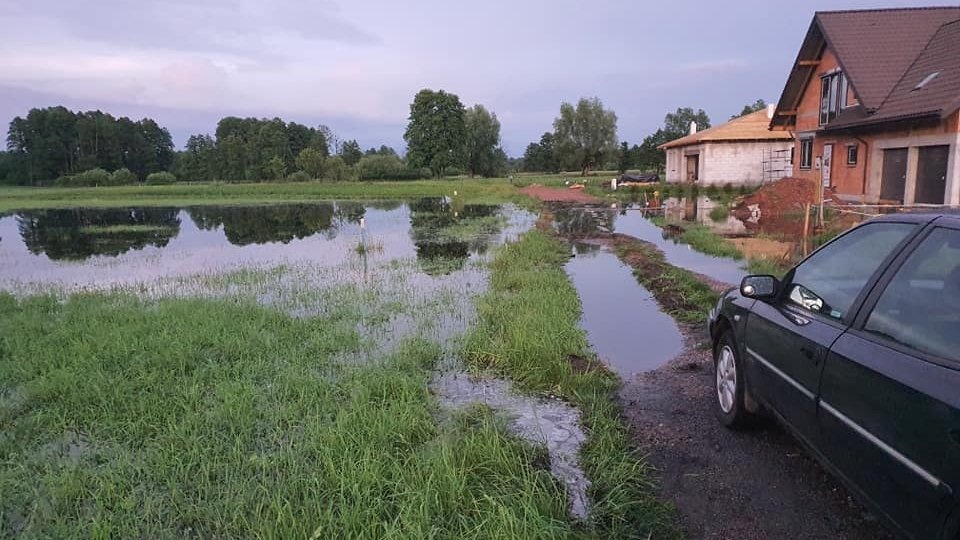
point(729, 383)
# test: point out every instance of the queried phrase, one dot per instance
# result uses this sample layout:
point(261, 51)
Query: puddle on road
point(622, 319)
point(539, 421)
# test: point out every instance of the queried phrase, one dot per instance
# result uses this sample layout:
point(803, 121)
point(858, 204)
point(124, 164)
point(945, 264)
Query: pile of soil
point(547, 194)
point(788, 195)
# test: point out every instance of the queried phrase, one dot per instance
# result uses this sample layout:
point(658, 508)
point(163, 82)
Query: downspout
point(866, 156)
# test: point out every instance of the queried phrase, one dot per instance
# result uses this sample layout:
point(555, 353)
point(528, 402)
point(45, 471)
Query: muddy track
point(756, 484)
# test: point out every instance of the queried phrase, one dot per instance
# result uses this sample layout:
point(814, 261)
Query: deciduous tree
point(436, 131)
point(585, 134)
point(482, 141)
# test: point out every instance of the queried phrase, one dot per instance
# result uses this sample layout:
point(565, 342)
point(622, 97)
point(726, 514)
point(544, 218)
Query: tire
point(729, 384)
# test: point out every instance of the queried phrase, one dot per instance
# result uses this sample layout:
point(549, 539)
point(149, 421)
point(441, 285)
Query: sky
point(356, 65)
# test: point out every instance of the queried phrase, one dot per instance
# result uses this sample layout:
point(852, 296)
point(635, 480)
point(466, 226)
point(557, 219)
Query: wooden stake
point(806, 227)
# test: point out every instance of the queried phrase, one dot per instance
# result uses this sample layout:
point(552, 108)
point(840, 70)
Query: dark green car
point(857, 352)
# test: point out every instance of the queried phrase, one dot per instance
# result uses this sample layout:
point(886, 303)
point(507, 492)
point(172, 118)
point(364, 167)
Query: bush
point(160, 178)
point(298, 176)
point(122, 177)
point(378, 167)
point(93, 177)
point(336, 169)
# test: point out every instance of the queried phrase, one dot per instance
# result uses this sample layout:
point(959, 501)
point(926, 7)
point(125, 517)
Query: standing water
point(622, 319)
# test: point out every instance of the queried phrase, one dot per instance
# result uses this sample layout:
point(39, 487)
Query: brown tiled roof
point(938, 96)
point(750, 127)
point(875, 47)
point(880, 51)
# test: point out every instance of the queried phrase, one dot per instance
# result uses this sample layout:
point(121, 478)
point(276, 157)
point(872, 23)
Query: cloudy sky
point(355, 65)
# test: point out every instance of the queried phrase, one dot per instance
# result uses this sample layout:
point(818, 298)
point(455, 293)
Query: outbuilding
point(743, 151)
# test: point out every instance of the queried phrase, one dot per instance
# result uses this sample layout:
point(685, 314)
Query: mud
point(751, 485)
point(547, 194)
point(542, 421)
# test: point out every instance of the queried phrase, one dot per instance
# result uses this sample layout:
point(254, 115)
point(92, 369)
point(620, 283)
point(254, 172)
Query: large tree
point(757, 105)
point(677, 124)
point(436, 131)
point(585, 134)
point(481, 142)
point(649, 157)
point(541, 156)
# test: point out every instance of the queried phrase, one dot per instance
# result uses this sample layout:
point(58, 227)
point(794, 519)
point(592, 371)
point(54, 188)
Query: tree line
point(584, 138)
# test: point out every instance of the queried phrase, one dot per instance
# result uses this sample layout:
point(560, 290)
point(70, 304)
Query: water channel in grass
point(623, 321)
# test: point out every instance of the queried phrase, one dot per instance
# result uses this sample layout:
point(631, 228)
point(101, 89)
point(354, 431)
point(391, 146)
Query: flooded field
point(305, 259)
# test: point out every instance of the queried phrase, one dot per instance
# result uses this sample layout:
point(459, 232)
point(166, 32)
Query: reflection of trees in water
point(386, 206)
point(350, 212)
point(584, 221)
point(244, 225)
point(79, 233)
point(445, 232)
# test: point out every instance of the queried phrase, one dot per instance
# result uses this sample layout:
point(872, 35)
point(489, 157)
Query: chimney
point(693, 127)
point(770, 108)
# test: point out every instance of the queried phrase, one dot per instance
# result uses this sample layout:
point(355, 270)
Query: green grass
point(680, 293)
point(702, 239)
point(476, 191)
point(201, 418)
point(720, 212)
point(528, 328)
point(767, 266)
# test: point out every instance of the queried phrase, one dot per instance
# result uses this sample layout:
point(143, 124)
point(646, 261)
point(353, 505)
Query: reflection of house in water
point(697, 210)
point(80, 233)
point(583, 221)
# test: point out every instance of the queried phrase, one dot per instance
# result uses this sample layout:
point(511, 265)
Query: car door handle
point(809, 353)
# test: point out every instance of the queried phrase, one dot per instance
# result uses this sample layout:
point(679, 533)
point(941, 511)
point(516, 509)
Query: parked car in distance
point(857, 352)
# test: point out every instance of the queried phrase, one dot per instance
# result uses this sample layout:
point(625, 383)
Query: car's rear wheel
point(729, 383)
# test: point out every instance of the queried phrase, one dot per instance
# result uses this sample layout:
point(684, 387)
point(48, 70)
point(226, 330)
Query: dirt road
point(753, 485)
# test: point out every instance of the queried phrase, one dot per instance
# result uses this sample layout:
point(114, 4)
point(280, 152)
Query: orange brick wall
point(846, 179)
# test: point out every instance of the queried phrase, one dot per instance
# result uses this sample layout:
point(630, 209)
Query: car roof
point(921, 215)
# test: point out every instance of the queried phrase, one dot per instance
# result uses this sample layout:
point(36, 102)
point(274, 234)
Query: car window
point(920, 308)
point(830, 280)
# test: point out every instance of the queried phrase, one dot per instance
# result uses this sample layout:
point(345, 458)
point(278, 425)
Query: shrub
point(728, 188)
point(122, 177)
point(378, 167)
point(298, 176)
point(160, 178)
point(336, 169)
point(93, 177)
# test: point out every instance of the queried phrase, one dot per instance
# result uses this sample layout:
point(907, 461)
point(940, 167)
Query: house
point(742, 151)
point(872, 102)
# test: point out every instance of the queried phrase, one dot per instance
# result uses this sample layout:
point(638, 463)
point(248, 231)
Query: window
point(852, 151)
point(830, 280)
point(806, 153)
point(833, 96)
point(920, 308)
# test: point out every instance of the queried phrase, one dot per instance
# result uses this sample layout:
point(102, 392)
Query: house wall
point(862, 181)
point(736, 163)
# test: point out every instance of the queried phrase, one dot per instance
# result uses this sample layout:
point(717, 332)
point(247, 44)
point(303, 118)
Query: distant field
point(477, 190)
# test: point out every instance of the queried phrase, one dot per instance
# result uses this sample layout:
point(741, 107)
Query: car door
point(890, 394)
point(787, 339)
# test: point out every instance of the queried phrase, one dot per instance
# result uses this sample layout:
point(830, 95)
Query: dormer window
point(833, 95)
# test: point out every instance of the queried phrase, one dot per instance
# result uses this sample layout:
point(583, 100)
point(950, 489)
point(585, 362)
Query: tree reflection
point(446, 231)
point(245, 225)
point(580, 222)
point(80, 233)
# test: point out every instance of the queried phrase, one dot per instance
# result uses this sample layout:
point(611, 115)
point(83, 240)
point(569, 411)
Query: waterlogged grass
point(124, 418)
point(476, 191)
point(528, 329)
point(680, 293)
point(702, 239)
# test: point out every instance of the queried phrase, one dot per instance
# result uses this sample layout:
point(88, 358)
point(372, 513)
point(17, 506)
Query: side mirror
point(759, 286)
